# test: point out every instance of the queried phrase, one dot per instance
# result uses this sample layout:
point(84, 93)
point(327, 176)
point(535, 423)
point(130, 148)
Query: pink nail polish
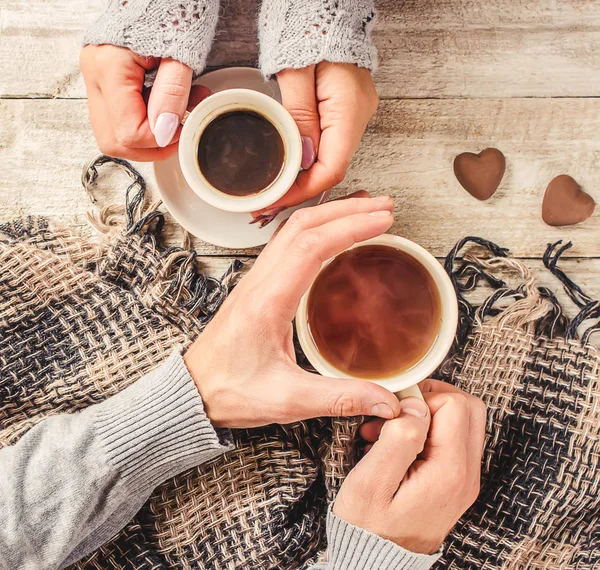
point(308, 153)
point(165, 128)
point(267, 216)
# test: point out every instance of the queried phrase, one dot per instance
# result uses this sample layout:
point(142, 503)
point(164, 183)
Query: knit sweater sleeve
point(74, 480)
point(179, 29)
point(299, 33)
point(353, 548)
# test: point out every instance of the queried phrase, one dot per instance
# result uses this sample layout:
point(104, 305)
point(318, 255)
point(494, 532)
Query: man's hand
point(421, 471)
point(127, 125)
point(244, 363)
point(332, 104)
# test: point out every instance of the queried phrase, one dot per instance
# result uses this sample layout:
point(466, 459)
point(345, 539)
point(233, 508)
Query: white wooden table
point(455, 75)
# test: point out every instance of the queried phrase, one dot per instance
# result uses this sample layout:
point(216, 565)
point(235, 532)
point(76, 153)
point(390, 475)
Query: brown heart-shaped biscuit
point(565, 203)
point(480, 174)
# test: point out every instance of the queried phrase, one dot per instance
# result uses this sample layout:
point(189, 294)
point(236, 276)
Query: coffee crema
point(241, 153)
point(374, 312)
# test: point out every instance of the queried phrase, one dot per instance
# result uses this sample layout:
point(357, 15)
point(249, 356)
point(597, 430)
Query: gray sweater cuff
point(299, 33)
point(353, 548)
point(182, 29)
point(157, 427)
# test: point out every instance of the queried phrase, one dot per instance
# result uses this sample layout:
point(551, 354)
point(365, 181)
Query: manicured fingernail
point(381, 198)
point(308, 153)
point(165, 128)
point(266, 216)
point(413, 407)
point(381, 214)
point(271, 210)
point(382, 410)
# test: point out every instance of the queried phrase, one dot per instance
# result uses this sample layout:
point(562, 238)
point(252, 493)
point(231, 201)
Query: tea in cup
point(384, 311)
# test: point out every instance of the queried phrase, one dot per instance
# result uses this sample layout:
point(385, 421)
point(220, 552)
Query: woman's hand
point(124, 126)
point(332, 104)
point(244, 363)
point(421, 472)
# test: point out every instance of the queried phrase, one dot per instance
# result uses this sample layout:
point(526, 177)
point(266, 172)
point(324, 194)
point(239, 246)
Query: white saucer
point(224, 229)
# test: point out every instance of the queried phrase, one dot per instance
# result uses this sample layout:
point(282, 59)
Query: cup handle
point(410, 392)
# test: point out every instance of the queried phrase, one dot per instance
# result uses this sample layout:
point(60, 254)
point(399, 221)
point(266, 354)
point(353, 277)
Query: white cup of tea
point(404, 382)
point(245, 134)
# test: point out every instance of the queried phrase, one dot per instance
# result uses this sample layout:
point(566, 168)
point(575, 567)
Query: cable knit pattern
point(180, 29)
point(298, 33)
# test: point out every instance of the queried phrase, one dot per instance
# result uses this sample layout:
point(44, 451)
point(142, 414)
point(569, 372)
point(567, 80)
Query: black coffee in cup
point(241, 153)
point(374, 312)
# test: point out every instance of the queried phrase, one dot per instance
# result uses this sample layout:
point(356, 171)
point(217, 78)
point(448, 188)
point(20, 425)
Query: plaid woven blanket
point(80, 319)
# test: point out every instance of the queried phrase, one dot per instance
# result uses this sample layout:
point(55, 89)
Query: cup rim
point(438, 351)
point(227, 101)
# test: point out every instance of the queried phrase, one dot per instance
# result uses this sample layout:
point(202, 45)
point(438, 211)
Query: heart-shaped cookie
point(480, 174)
point(565, 203)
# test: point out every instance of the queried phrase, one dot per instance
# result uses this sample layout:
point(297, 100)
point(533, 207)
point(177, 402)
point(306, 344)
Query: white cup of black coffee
point(240, 150)
point(384, 310)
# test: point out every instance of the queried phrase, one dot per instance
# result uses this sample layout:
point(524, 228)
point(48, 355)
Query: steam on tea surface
point(374, 311)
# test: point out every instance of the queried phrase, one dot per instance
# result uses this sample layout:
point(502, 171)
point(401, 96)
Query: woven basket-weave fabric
point(539, 506)
point(80, 320)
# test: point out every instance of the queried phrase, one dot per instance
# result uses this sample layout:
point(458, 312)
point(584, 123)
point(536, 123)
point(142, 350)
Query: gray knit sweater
point(75, 480)
point(292, 33)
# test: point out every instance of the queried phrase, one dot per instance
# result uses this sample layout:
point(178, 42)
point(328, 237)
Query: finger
point(169, 99)
point(106, 139)
point(121, 82)
point(437, 386)
point(370, 431)
point(357, 194)
point(274, 212)
point(477, 412)
point(450, 424)
point(143, 154)
point(431, 385)
point(317, 396)
point(400, 442)
point(308, 218)
point(337, 146)
point(197, 95)
point(477, 430)
point(269, 215)
point(269, 211)
point(299, 97)
point(297, 269)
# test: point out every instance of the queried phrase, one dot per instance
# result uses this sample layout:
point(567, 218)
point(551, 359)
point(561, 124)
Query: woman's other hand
point(421, 471)
point(127, 125)
point(244, 362)
point(332, 104)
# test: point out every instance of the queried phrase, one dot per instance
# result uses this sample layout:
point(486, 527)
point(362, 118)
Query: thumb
point(299, 97)
point(168, 99)
point(400, 442)
point(319, 396)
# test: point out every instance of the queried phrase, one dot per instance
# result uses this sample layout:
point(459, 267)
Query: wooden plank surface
point(496, 48)
point(407, 153)
point(446, 48)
